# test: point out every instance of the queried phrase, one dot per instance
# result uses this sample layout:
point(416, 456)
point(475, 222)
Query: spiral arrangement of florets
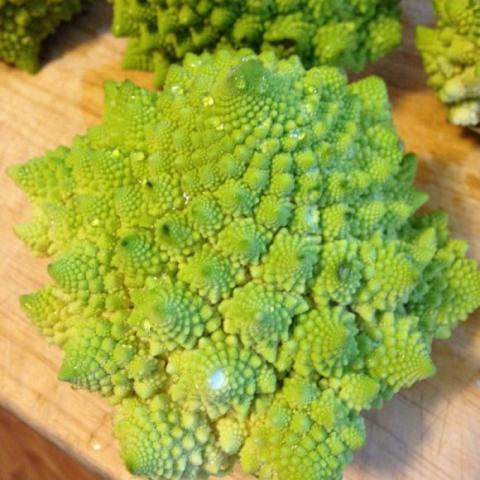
point(25, 24)
point(346, 33)
point(450, 53)
point(238, 264)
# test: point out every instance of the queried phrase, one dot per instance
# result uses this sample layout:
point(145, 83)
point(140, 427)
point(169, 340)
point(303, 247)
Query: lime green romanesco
point(25, 24)
point(451, 55)
point(238, 265)
point(344, 33)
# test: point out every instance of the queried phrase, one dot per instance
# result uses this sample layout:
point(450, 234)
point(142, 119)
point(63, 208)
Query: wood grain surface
point(429, 432)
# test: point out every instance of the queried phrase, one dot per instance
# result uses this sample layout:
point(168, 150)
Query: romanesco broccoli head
point(451, 55)
point(25, 24)
point(345, 33)
point(237, 264)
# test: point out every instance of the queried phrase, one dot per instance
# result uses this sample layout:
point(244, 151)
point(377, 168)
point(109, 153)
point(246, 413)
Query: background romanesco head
point(25, 24)
point(238, 265)
point(344, 33)
point(451, 55)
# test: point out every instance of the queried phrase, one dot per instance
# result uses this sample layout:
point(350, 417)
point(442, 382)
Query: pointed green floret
point(450, 53)
point(402, 356)
point(358, 391)
point(169, 315)
point(307, 438)
point(231, 434)
point(261, 316)
point(220, 375)
point(238, 261)
point(25, 24)
point(242, 241)
point(160, 440)
point(290, 262)
point(345, 34)
point(326, 342)
point(46, 311)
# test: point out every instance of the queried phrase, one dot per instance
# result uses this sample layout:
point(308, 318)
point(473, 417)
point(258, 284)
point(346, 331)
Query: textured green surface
point(25, 24)
point(451, 55)
point(237, 264)
point(344, 33)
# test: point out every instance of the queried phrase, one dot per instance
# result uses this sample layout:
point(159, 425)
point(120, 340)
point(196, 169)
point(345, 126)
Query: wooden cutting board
point(429, 432)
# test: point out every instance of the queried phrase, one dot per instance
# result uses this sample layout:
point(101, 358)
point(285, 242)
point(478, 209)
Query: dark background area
point(26, 455)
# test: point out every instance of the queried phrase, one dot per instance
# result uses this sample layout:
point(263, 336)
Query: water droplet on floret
point(218, 379)
point(177, 90)
point(208, 101)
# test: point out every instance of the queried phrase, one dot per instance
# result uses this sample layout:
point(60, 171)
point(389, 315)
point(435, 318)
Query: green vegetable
point(25, 24)
point(238, 265)
point(451, 55)
point(343, 33)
